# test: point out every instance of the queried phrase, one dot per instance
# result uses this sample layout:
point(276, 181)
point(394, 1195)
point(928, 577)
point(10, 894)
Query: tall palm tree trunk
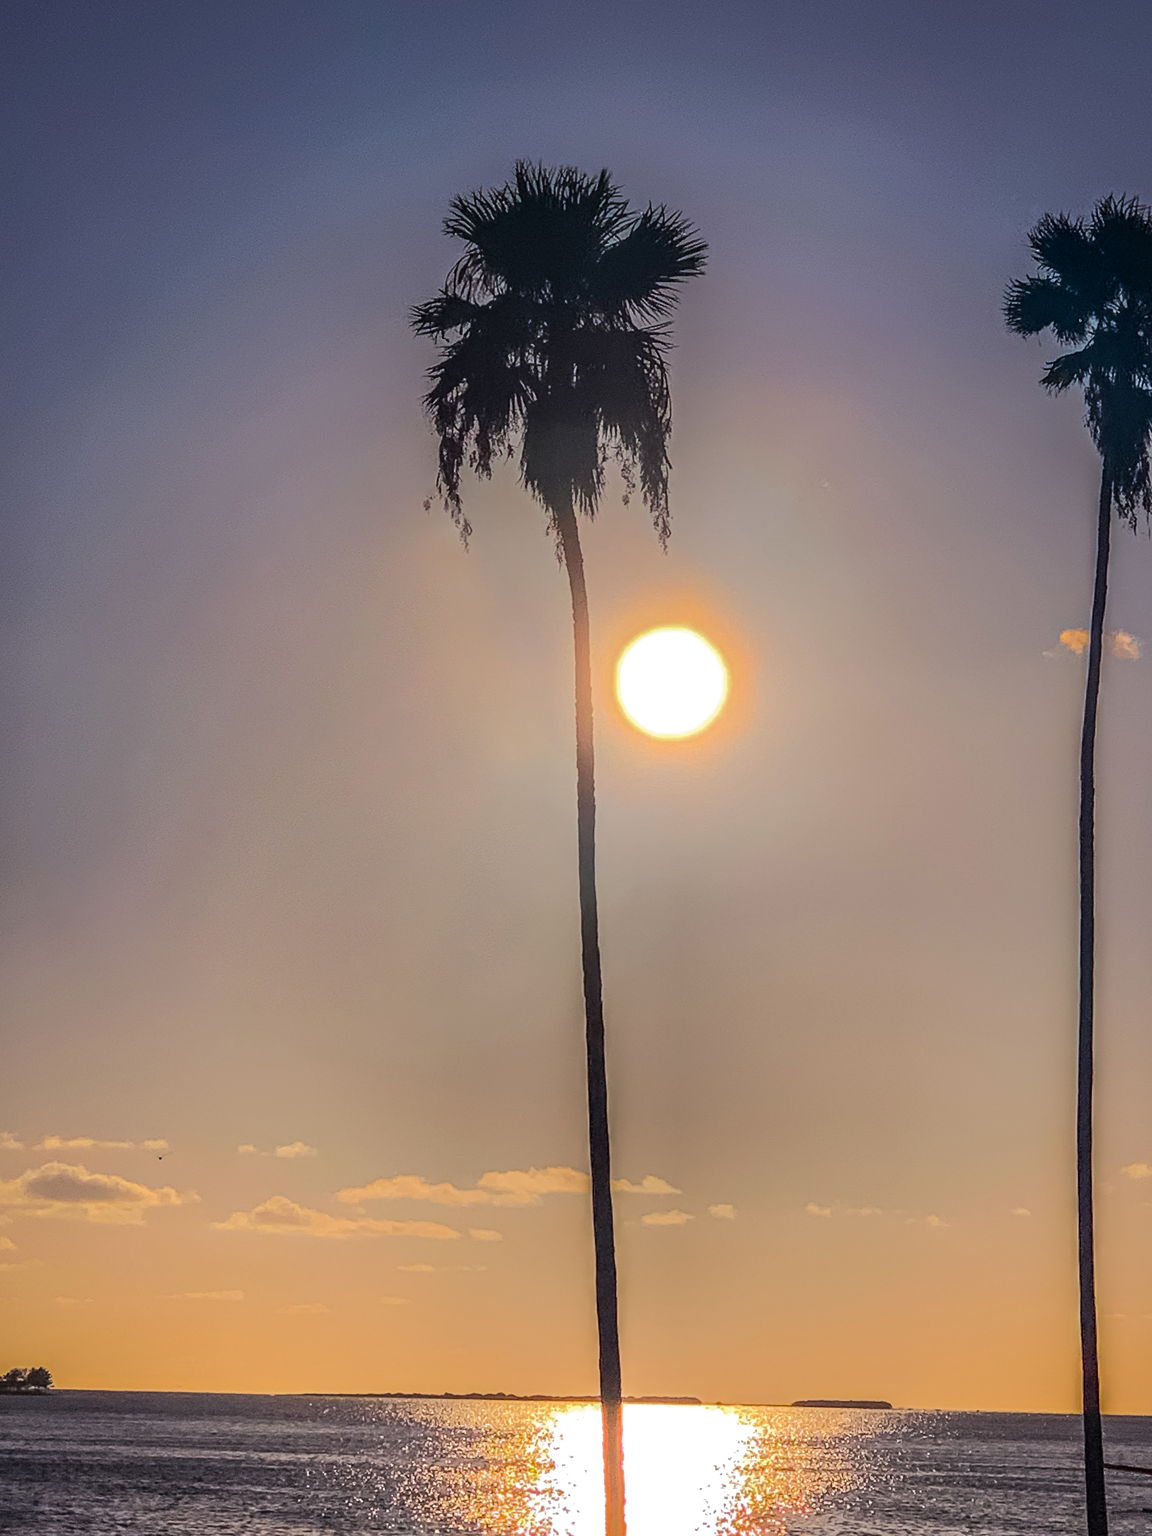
point(1095, 1490)
point(607, 1321)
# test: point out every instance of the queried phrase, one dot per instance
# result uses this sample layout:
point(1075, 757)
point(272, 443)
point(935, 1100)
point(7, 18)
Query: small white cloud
point(394, 1301)
point(290, 1149)
point(417, 1269)
point(650, 1184)
point(303, 1309)
point(206, 1296)
point(6, 1245)
point(666, 1219)
point(1138, 1170)
point(1125, 646)
point(485, 1235)
point(1020, 1210)
point(723, 1212)
point(9, 1143)
point(281, 1217)
point(935, 1221)
point(812, 1209)
point(74, 1301)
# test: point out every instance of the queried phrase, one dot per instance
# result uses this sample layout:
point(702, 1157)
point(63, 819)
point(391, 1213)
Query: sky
point(292, 1051)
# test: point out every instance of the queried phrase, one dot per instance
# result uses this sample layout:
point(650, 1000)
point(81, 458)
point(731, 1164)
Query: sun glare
point(671, 682)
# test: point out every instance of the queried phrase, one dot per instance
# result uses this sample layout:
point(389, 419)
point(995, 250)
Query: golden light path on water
point(690, 1470)
point(683, 1468)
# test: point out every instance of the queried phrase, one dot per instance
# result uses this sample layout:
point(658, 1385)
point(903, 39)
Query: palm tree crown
point(552, 325)
point(1093, 291)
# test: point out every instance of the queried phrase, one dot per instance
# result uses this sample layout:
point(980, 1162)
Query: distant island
point(491, 1397)
point(840, 1402)
point(34, 1379)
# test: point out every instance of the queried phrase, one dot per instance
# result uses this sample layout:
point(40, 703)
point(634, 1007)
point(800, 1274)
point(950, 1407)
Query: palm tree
point(553, 332)
point(1093, 291)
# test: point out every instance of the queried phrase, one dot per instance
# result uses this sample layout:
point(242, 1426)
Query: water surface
point(183, 1464)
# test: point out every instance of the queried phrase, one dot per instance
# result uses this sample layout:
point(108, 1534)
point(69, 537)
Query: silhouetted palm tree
point(1093, 291)
point(553, 325)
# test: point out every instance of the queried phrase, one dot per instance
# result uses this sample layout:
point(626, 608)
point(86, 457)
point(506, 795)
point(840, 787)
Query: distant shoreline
point(541, 1397)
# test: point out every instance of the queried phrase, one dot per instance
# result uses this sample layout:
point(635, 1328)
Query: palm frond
point(622, 374)
point(1065, 250)
point(640, 273)
point(1119, 417)
point(448, 311)
point(1064, 371)
point(538, 234)
point(1121, 231)
point(1035, 304)
point(560, 460)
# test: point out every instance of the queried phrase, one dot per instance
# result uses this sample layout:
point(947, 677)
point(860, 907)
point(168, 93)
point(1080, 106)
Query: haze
point(288, 782)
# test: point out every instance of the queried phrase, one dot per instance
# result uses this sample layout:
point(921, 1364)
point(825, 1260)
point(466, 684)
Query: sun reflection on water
point(690, 1471)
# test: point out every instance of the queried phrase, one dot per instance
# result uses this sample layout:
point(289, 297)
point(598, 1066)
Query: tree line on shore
point(30, 1379)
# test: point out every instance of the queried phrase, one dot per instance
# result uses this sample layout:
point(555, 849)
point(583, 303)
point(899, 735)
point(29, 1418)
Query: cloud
point(74, 1301)
point(68, 1189)
point(485, 1235)
point(205, 1296)
point(1020, 1210)
point(1124, 646)
point(303, 1309)
point(525, 1186)
point(279, 1216)
point(288, 1150)
point(6, 1244)
point(394, 1301)
point(648, 1185)
point(93, 1143)
point(867, 1212)
point(723, 1212)
point(410, 1186)
point(666, 1219)
point(9, 1143)
point(1138, 1170)
point(513, 1186)
point(418, 1269)
point(837, 1209)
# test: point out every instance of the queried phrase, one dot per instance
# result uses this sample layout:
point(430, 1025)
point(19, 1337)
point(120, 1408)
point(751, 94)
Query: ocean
point(190, 1464)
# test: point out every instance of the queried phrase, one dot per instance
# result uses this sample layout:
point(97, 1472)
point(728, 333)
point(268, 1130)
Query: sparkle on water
point(671, 682)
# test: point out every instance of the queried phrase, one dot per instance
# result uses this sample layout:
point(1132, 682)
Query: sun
point(671, 682)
